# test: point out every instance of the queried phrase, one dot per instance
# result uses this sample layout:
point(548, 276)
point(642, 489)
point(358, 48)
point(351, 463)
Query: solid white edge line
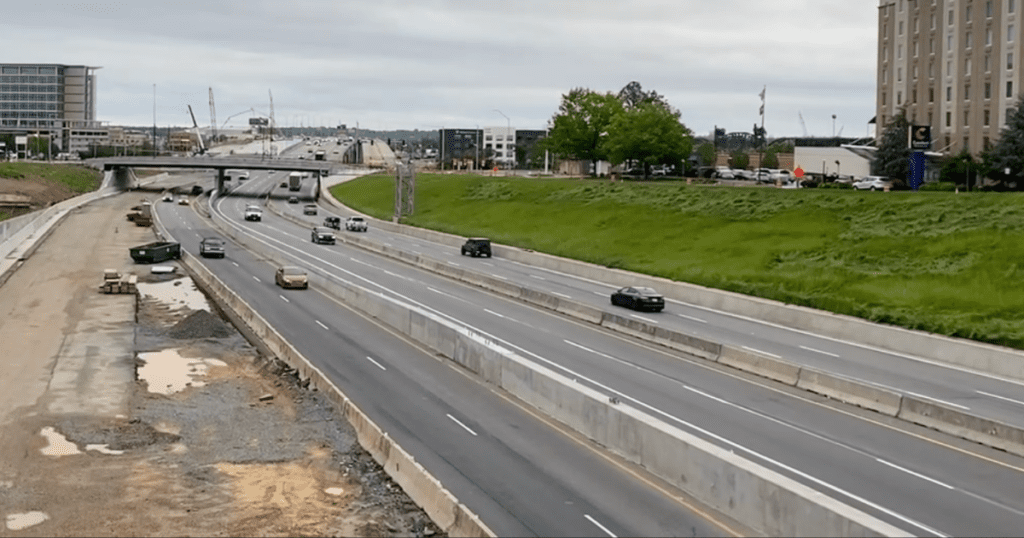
point(561, 295)
point(819, 351)
point(1018, 402)
point(494, 313)
point(322, 325)
point(600, 526)
point(761, 352)
point(379, 365)
point(912, 473)
point(461, 424)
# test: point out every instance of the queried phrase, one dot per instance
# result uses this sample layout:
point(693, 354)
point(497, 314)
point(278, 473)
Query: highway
point(919, 481)
point(520, 474)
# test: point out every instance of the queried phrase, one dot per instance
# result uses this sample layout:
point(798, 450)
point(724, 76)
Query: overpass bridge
point(120, 165)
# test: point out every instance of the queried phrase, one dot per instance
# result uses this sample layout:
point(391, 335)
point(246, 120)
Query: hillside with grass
point(44, 184)
point(937, 261)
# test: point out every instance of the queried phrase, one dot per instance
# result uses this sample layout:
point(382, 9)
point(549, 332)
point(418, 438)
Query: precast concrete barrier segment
point(945, 419)
point(757, 497)
point(833, 386)
point(981, 357)
point(442, 507)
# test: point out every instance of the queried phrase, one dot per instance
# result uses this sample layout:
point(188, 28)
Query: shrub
point(938, 186)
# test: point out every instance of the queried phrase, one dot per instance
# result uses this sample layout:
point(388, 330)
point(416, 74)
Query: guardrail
point(946, 419)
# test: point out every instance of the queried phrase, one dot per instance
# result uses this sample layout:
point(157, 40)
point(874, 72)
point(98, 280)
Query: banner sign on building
point(920, 137)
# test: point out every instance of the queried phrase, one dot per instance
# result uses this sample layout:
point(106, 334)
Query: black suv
point(333, 222)
point(477, 246)
point(323, 235)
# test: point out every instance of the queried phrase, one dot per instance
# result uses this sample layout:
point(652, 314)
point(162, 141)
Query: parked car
point(740, 173)
point(477, 246)
point(784, 176)
point(322, 236)
point(291, 277)
point(872, 183)
point(309, 209)
point(356, 224)
point(639, 298)
point(211, 247)
point(724, 174)
point(333, 222)
point(293, 199)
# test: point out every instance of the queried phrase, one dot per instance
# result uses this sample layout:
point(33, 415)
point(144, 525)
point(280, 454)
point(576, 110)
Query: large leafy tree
point(633, 95)
point(961, 168)
point(649, 133)
point(581, 124)
point(1008, 152)
point(892, 159)
point(706, 154)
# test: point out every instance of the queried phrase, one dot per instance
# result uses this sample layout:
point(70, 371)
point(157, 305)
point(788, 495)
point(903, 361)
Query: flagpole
point(760, 158)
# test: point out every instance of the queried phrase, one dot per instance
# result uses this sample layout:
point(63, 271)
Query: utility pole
point(154, 120)
point(213, 116)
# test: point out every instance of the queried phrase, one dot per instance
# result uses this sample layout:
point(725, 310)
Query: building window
point(988, 36)
point(883, 99)
point(901, 28)
point(988, 9)
point(950, 21)
point(968, 39)
point(915, 72)
point(913, 95)
point(986, 143)
point(1009, 88)
point(967, 66)
point(933, 21)
point(931, 95)
point(967, 13)
point(1009, 60)
point(915, 25)
point(949, 118)
point(931, 45)
point(899, 74)
point(949, 93)
point(967, 92)
point(949, 42)
point(899, 98)
point(988, 62)
point(931, 70)
point(915, 49)
point(899, 52)
point(988, 90)
point(1010, 6)
point(1008, 112)
point(967, 117)
point(949, 68)
point(1010, 33)
point(985, 117)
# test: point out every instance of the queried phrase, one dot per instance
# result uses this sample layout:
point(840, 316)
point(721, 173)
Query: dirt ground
point(41, 193)
point(239, 449)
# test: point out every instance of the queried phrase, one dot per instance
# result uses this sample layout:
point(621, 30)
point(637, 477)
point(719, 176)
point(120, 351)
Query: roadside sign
point(920, 137)
point(799, 172)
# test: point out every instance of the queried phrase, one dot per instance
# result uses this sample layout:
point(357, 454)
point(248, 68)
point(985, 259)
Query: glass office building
point(53, 100)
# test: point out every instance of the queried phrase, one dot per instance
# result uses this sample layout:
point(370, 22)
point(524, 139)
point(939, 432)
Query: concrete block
point(955, 422)
point(758, 364)
point(851, 392)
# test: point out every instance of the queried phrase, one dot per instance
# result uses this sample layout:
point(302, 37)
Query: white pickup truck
point(253, 212)
point(355, 224)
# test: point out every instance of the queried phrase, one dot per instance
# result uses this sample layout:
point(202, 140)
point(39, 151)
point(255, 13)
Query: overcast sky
point(426, 64)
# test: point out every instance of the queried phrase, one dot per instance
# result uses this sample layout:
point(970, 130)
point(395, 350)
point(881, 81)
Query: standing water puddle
point(167, 372)
point(178, 293)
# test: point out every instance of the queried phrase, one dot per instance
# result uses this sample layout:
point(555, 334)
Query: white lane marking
point(492, 312)
point(455, 264)
point(461, 424)
point(387, 244)
point(499, 277)
point(561, 295)
point(379, 365)
point(761, 352)
point(601, 293)
point(235, 264)
point(919, 475)
point(283, 298)
point(322, 325)
point(538, 277)
point(197, 235)
point(256, 278)
point(577, 375)
point(944, 402)
point(691, 318)
point(819, 351)
point(416, 252)
point(488, 264)
point(395, 275)
point(1018, 402)
point(648, 320)
point(600, 526)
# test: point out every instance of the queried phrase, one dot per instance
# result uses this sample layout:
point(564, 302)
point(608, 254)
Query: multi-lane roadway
point(522, 476)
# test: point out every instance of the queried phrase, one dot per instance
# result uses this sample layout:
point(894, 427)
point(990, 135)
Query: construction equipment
point(213, 117)
point(115, 282)
point(199, 136)
point(141, 215)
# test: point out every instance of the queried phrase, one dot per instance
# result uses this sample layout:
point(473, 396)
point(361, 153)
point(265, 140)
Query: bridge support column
point(220, 181)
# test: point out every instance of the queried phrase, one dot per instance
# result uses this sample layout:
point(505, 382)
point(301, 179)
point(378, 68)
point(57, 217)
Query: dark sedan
point(639, 298)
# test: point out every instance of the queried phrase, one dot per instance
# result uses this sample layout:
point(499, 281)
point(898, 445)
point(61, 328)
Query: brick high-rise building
point(952, 64)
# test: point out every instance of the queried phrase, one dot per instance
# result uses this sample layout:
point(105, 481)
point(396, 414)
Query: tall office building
point(953, 64)
point(58, 101)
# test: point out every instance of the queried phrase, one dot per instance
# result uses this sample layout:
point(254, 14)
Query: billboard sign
point(920, 137)
point(259, 121)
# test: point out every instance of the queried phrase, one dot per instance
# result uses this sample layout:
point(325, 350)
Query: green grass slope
point(936, 261)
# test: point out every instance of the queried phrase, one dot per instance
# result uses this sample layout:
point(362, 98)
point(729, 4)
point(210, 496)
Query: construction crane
point(252, 110)
point(271, 114)
point(202, 147)
point(802, 124)
point(213, 116)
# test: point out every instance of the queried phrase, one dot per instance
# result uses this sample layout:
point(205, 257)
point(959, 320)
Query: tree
point(960, 168)
point(632, 96)
point(650, 134)
point(706, 154)
point(771, 160)
point(581, 124)
point(1008, 152)
point(892, 159)
point(739, 159)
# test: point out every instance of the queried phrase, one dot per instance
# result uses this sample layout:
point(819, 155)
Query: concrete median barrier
point(954, 422)
point(852, 392)
point(759, 364)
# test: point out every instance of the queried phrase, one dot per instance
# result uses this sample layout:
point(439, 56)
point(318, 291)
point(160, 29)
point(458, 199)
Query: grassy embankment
point(69, 179)
point(936, 261)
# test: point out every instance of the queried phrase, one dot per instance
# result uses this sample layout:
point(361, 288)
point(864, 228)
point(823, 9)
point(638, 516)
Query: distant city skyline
point(394, 65)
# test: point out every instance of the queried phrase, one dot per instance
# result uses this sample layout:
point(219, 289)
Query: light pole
point(833, 125)
point(508, 130)
point(547, 132)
